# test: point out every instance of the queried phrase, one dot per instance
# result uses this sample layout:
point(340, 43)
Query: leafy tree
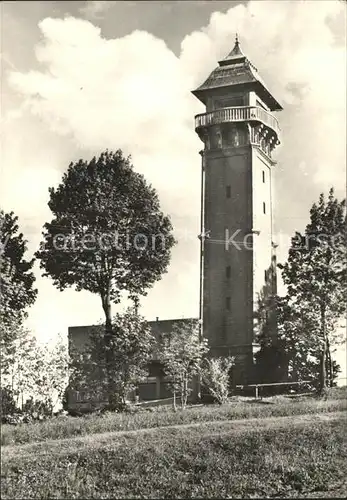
point(30, 369)
point(181, 355)
point(294, 354)
point(17, 357)
point(291, 355)
point(16, 276)
point(316, 278)
point(50, 366)
point(8, 404)
point(108, 234)
point(215, 376)
point(131, 346)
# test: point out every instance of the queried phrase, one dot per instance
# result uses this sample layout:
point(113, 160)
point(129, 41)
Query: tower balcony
point(254, 115)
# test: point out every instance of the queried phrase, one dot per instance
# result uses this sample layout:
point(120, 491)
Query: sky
point(80, 77)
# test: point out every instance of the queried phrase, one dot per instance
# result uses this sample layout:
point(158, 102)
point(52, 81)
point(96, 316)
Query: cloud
point(133, 92)
point(95, 9)
point(130, 93)
point(7, 61)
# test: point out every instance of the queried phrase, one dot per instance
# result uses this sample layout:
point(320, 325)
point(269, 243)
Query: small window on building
point(228, 191)
point(264, 207)
point(227, 303)
point(230, 102)
point(263, 176)
point(228, 272)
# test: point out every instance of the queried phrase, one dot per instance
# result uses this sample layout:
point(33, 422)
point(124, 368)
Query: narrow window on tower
point(227, 303)
point(228, 272)
point(228, 191)
point(264, 207)
point(263, 176)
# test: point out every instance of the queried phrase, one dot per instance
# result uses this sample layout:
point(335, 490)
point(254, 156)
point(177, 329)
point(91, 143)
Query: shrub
point(216, 377)
point(37, 409)
point(8, 405)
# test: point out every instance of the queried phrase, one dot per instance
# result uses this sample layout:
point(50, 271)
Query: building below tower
point(154, 387)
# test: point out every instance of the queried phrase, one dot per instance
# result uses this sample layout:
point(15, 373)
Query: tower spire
point(236, 55)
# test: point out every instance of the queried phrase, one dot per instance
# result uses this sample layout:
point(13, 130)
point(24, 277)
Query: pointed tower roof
point(236, 55)
point(236, 71)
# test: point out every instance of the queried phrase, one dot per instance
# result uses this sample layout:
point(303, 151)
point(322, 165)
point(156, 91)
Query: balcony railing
point(237, 114)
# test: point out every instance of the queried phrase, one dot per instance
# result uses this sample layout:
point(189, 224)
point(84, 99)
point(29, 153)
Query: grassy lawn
point(59, 428)
point(295, 456)
point(277, 447)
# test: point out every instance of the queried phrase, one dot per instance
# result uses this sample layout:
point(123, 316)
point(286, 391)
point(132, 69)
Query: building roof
point(166, 325)
point(236, 71)
point(163, 325)
point(158, 327)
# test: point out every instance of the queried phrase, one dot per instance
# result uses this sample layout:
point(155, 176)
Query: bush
point(8, 404)
point(38, 410)
point(215, 376)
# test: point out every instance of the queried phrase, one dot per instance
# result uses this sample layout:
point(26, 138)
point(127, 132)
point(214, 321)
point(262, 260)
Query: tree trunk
point(111, 389)
point(174, 400)
point(323, 373)
point(106, 305)
point(329, 364)
point(136, 302)
point(185, 392)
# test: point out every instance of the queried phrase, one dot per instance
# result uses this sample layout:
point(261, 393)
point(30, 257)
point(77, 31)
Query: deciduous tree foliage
point(17, 290)
point(30, 369)
point(294, 353)
point(181, 354)
point(131, 346)
point(108, 234)
point(316, 279)
point(216, 376)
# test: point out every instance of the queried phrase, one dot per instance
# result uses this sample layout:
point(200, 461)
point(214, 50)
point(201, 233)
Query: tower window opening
point(263, 176)
point(228, 191)
point(264, 207)
point(230, 102)
point(228, 303)
point(228, 272)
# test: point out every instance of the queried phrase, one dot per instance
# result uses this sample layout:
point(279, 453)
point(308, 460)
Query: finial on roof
point(235, 55)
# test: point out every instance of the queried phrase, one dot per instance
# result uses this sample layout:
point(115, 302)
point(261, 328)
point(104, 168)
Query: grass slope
point(293, 456)
point(67, 427)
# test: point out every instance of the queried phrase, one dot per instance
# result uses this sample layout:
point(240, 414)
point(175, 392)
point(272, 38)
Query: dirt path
point(118, 438)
